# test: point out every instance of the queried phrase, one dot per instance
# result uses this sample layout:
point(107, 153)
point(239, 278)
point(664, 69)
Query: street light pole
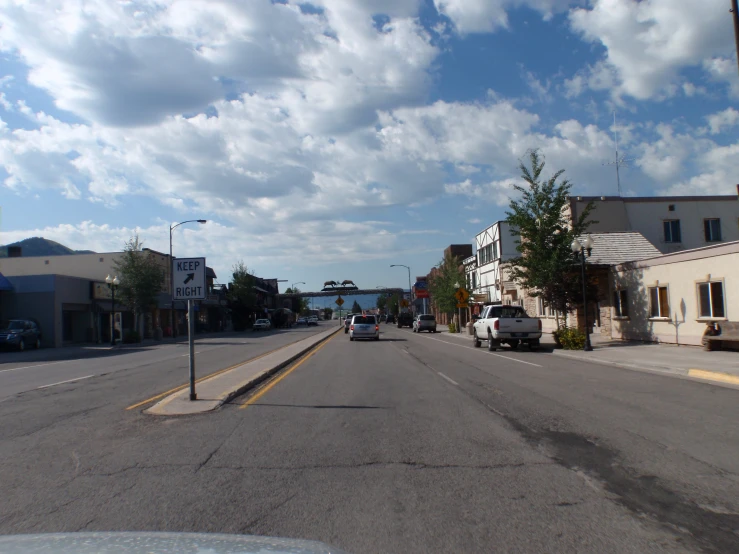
point(459, 312)
point(410, 289)
point(171, 274)
point(580, 250)
point(112, 285)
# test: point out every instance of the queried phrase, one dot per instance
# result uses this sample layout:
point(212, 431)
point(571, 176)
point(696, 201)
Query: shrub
point(452, 328)
point(570, 338)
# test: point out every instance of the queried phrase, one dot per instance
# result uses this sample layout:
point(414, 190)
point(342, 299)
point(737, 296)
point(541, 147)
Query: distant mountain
point(38, 246)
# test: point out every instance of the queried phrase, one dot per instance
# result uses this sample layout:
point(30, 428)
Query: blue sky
point(330, 139)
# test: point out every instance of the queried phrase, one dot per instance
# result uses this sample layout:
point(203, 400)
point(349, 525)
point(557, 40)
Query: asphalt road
point(415, 443)
point(151, 366)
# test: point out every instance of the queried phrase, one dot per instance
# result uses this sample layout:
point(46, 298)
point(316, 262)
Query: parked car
point(313, 320)
point(262, 325)
point(20, 334)
point(348, 322)
point(509, 325)
point(425, 322)
point(405, 319)
point(364, 327)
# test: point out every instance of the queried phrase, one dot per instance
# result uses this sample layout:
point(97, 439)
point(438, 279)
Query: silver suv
point(424, 323)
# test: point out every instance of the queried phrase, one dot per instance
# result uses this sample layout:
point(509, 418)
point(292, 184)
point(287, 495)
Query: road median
point(219, 389)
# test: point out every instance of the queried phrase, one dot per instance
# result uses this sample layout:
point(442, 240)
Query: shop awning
point(4, 283)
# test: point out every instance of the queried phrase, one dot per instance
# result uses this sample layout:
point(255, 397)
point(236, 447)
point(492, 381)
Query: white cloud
point(724, 70)
point(720, 121)
point(480, 16)
point(494, 192)
point(648, 43)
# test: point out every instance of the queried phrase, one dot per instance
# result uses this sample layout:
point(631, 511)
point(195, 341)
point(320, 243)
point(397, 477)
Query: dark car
point(20, 334)
point(390, 318)
point(405, 319)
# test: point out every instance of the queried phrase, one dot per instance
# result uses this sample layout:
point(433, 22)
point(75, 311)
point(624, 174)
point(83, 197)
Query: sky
point(327, 140)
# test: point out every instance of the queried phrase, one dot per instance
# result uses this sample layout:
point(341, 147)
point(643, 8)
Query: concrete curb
point(178, 403)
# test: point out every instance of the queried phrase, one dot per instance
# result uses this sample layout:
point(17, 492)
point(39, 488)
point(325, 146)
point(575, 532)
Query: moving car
point(302, 321)
point(20, 334)
point(509, 325)
point(364, 327)
point(262, 325)
point(405, 319)
point(425, 322)
point(313, 320)
point(390, 318)
point(348, 322)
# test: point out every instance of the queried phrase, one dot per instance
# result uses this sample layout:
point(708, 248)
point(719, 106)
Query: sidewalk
point(226, 385)
point(687, 361)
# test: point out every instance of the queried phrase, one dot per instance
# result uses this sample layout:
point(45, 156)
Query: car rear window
point(363, 319)
point(427, 318)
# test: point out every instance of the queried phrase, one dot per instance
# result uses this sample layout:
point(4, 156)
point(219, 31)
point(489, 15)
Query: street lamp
point(112, 285)
point(459, 312)
point(171, 276)
point(580, 250)
point(410, 289)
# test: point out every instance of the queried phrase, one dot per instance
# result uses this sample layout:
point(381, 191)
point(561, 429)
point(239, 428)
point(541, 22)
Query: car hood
point(4, 331)
point(158, 543)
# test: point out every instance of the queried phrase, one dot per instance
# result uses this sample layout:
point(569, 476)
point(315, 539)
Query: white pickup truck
point(506, 325)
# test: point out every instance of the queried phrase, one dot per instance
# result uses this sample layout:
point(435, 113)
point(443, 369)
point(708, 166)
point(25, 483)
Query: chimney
point(15, 251)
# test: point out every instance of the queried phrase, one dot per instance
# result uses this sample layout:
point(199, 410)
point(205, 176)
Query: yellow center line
point(264, 390)
point(181, 387)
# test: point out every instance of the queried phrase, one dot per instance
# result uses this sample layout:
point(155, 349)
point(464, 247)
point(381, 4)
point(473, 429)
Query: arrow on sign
point(190, 277)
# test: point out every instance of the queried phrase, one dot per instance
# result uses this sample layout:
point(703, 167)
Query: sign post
point(188, 276)
point(462, 296)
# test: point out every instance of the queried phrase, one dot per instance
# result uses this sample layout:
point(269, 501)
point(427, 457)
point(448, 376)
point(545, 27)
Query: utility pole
point(735, 12)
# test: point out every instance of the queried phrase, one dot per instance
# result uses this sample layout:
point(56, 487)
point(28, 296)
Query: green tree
point(327, 313)
point(441, 284)
point(393, 304)
point(356, 308)
point(300, 305)
point(546, 266)
point(141, 280)
point(241, 295)
point(382, 301)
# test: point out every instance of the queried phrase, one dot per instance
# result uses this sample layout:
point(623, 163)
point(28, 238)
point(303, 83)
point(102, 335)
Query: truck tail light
point(496, 325)
point(377, 327)
point(540, 325)
point(351, 327)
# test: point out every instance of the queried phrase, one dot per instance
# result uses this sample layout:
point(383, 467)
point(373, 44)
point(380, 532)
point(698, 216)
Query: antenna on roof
point(618, 161)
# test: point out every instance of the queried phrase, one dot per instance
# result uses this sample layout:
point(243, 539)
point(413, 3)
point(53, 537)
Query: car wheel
point(377, 338)
point(345, 331)
point(534, 345)
point(38, 343)
point(475, 340)
point(22, 345)
point(351, 338)
point(492, 344)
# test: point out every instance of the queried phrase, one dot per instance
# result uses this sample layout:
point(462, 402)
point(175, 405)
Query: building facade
point(672, 298)
point(670, 223)
point(72, 303)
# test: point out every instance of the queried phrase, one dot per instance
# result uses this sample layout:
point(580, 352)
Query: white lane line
point(39, 365)
point(452, 381)
point(62, 382)
point(489, 353)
